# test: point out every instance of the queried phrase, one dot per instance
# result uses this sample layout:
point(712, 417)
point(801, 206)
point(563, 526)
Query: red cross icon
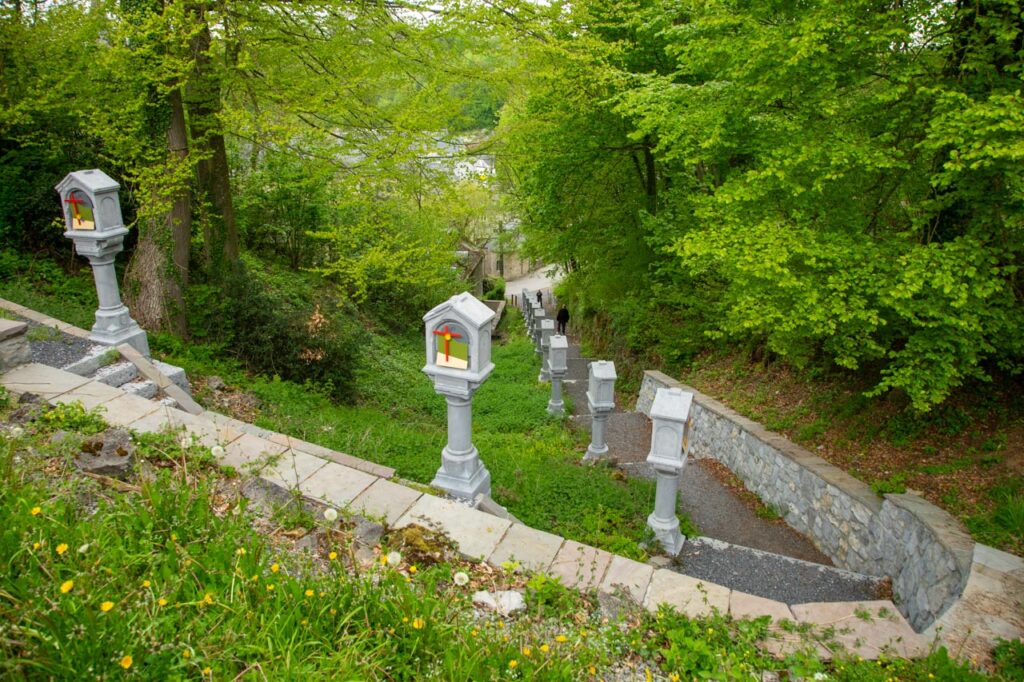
point(75, 201)
point(448, 335)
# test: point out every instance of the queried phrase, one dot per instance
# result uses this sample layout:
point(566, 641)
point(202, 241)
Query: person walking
point(563, 319)
point(540, 296)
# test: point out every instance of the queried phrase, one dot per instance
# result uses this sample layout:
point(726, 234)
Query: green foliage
point(73, 417)
point(831, 183)
point(894, 484)
point(494, 289)
point(1009, 659)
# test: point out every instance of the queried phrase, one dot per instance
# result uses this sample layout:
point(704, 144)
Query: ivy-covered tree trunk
point(156, 277)
point(216, 209)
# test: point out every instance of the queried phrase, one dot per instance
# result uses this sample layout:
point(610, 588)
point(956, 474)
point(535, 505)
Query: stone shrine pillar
point(92, 215)
point(558, 365)
point(539, 315)
point(670, 413)
point(601, 401)
point(547, 330)
point(458, 345)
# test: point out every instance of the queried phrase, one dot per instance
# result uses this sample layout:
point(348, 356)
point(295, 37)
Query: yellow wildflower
point(62, 547)
point(332, 556)
point(106, 606)
point(674, 677)
point(36, 511)
point(592, 670)
point(207, 599)
point(274, 568)
point(186, 654)
point(512, 664)
point(334, 612)
point(544, 648)
point(270, 588)
point(412, 569)
point(527, 651)
point(309, 593)
point(240, 551)
point(161, 601)
point(126, 662)
point(66, 586)
point(207, 671)
point(146, 583)
point(561, 638)
point(472, 633)
point(583, 633)
point(418, 623)
point(35, 545)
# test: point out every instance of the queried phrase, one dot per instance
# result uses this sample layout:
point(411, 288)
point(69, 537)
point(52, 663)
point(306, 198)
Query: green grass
point(150, 582)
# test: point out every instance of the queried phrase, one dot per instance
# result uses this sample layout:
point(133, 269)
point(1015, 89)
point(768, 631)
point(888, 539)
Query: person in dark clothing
point(540, 296)
point(563, 319)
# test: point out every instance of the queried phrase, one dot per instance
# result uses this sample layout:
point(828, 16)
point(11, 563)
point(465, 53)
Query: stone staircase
point(104, 364)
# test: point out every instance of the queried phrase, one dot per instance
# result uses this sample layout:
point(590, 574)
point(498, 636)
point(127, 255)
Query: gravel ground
point(57, 349)
point(772, 576)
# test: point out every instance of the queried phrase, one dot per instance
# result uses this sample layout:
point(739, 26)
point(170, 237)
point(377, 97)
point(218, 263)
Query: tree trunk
point(216, 209)
point(156, 277)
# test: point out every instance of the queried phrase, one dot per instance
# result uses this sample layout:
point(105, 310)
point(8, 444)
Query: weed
point(896, 483)
point(43, 333)
point(814, 430)
point(73, 417)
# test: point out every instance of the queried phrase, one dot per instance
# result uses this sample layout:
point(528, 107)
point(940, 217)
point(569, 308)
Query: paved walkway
point(365, 488)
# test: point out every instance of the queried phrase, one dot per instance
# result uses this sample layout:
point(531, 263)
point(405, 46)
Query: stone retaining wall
point(925, 551)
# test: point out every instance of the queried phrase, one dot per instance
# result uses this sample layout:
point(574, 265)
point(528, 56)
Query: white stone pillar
point(547, 329)
point(558, 351)
point(462, 473)
point(538, 318)
point(601, 401)
point(670, 416)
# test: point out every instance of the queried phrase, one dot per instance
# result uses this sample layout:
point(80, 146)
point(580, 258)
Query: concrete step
point(140, 387)
point(117, 374)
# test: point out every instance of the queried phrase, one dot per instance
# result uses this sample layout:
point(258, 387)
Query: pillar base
point(667, 532)
point(595, 453)
point(556, 408)
point(463, 476)
point(114, 327)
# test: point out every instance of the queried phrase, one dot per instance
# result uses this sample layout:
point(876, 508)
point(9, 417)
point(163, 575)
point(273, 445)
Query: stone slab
point(249, 450)
point(579, 565)
point(998, 559)
point(743, 605)
point(336, 484)
point(127, 409)
point(385, 500)
point(867, 629)
point(691, 597)
point(161, 419)
point(46, 382)
point(292, 468)
point(11, 328)
point(533, 549)
point(476, 533)
point(332, 455)
point(91, 394)
point(631, 577)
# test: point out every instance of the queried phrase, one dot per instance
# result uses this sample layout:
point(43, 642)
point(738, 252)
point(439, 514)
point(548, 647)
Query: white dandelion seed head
point(460, 578)
point(331, 514)
point(394, 558)
point(217, 451)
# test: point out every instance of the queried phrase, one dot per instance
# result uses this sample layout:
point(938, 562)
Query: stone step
point(117, 374)
point(140, 387)
point(96, 357)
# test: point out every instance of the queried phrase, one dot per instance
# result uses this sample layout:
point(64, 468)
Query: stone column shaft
point(597, 448)
point(555, 404)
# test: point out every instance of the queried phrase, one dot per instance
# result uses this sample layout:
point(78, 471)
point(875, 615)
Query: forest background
point(835, 187)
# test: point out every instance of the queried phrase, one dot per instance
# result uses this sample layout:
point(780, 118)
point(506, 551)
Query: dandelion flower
point(274, 568)
point(36, 511)
point(394, 558)
point(186, 654)
point(460, 578)
point(527, 651)
point(544, 648)
point(512, 664)
point(67, 586)
point(217, 451)
point(35, 545)
point(331, 514)
point(472, 633)
point(270, 588)
point(309, 593)
point(240, 551)
point(106, 606)
point(62, 547)
point(332, 556)
point(126, 662)
point(412, 569)
point(561, 638)
point(674, 677)
point(161, 601)
point(207, 599)
point(592, 670)
point(583, 633)
point(418, 623)
point(146, 583)
point(207, 671)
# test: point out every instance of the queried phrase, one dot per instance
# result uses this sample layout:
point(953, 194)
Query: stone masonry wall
point(922, 548)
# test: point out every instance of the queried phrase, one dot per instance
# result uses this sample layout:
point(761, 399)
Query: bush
point(283, 334)
point(494, 288)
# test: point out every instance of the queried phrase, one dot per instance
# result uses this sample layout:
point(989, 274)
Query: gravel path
point(772, 576)
point(55, 348)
